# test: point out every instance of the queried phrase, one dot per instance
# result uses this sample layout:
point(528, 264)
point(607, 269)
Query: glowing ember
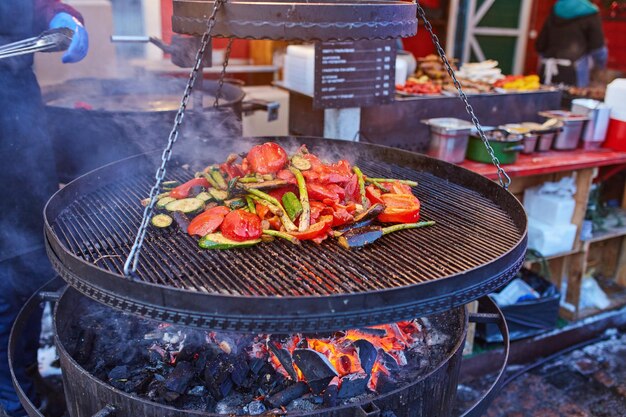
point(343, 352)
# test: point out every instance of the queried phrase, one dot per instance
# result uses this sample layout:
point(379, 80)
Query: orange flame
point(394, 339)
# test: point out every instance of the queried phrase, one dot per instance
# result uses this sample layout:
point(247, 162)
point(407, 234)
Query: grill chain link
point(220, 84)
point(503, 177)
point(130, 266)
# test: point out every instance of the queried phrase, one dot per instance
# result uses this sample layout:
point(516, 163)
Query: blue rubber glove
point(80, 42)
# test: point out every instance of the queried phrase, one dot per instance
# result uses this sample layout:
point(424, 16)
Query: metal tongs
point(54, 40)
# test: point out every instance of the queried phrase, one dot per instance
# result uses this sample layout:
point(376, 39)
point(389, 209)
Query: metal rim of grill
point(478, 245)
point(323, 20)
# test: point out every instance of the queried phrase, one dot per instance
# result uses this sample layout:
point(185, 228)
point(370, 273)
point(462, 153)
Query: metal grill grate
point(99, 228)
point(477, 243)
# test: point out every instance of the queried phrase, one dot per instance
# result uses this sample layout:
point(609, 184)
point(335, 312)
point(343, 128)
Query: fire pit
point(215, 373)
point(119, 365)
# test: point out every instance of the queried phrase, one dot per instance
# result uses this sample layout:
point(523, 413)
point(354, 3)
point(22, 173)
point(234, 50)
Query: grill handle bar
point(50, 291)
point(492, 314)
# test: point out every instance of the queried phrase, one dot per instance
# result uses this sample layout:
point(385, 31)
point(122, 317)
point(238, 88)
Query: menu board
point(354, 73)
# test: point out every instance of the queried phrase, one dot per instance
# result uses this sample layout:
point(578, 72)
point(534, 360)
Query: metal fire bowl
point(297, 20)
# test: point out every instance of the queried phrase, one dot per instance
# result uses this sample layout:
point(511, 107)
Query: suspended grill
point(98, 227)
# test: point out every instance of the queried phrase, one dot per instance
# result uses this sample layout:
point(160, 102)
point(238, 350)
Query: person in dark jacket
point(571, 42)
point(27, 172)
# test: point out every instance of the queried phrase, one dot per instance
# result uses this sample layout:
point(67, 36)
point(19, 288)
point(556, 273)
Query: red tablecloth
point(550, 162)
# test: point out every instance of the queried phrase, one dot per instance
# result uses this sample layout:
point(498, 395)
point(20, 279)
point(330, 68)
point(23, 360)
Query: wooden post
point(471, 331)
point(584, 180)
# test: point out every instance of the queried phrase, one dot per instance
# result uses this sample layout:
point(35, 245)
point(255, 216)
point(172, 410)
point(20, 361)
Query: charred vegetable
point(219, 242)
point(266, 194)
point(186, 205)
point(181, 220)
point(161, 221)
point(357, 238)
point(292, 205)
point(363, 236)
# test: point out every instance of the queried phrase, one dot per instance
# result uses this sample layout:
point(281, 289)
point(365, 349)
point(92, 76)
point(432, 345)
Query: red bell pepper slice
point(240, 225)
point(317, 230)
point(278, 193)
point(268, 158)
point(321, 192)
point(316, 210)
point(232, 170)
point(339, 173)
point(261, 210)
point(286, 175)
point(400, 208)
point(397, 187)
point(352, 190)
point(182, 191)
point(207, 222)
point(373, 194)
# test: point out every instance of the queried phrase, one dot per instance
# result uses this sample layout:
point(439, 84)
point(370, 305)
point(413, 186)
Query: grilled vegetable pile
point(267, 194)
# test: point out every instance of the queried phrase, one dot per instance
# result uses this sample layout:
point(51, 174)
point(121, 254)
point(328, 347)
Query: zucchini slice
point(219, 195)
point(164, 202)
point(168, 185)
point(300, 163)
point(205, 197)
point(186, 205)
point(161, 221)
point(218, 241)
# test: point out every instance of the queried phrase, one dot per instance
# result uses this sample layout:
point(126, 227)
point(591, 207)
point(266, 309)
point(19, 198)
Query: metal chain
point(133, 258)
point(503, 177)
point(220, 84)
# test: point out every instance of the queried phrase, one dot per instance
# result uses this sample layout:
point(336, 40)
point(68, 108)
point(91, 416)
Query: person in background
point(27, 172)
point(571, 42)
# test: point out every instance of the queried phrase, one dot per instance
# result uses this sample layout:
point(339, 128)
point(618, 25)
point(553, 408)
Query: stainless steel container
point(599, 114)
point(545, 133)
point(448, 138)
point(573, 125)
point(545, 141)
point(529, 138)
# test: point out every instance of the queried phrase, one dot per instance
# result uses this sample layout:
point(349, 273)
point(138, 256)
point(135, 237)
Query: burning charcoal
point(197, 391)
point(353, 385)
point(285, 359)
point(256, 407)
point(230, 405)
point(178, 380)
point(217, 376)
point(389, 361)
point(385, 383)
point(289, 394)
point(193, 345)
point(240, 371)
point(139, 383)
point(372, 332)
point(119, 373)
point(314, 365)
point(313, 399)
point(256, 365)
point(330, 395)
point(367, 354)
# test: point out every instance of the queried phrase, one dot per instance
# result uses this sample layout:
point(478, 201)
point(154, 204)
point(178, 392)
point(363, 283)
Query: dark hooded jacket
point(570, 38)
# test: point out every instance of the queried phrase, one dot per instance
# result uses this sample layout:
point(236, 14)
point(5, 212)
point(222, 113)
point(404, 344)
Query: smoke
point(127, 117)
